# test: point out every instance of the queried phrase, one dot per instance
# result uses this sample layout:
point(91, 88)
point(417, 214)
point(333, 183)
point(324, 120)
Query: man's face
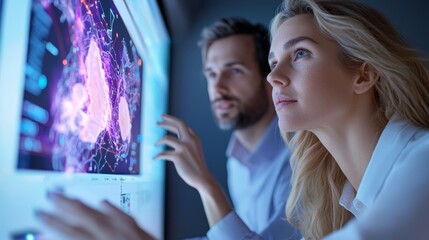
point(237, 90)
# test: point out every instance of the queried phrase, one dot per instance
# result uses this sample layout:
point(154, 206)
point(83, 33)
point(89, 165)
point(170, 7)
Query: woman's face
point(311, 89)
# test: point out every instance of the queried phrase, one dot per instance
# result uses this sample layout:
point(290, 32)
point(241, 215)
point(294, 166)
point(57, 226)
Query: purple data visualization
point(81, 109)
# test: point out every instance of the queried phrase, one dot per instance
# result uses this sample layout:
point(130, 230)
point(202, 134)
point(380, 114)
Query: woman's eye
point(273, 65)
point(300, 53)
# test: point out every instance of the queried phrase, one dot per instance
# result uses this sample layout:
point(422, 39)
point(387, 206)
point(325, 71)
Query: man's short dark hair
point(226, 27)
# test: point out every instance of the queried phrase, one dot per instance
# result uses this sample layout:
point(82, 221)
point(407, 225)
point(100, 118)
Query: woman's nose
point(278, 79)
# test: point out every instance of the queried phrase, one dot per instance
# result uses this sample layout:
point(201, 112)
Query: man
point(235, 54)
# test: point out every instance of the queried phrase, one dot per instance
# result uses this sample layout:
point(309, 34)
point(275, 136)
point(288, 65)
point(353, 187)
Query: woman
point(358, 99)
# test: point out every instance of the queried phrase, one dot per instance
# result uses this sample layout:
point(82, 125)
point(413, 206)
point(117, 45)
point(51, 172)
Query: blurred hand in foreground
point(73, 219)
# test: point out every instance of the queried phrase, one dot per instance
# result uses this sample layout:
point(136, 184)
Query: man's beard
point(249, 112)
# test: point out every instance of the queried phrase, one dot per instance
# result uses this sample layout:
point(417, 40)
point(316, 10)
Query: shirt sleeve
point(232, 227)
point(280, 229)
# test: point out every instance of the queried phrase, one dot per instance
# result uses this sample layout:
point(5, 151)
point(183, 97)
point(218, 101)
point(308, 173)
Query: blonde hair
point(364, 36)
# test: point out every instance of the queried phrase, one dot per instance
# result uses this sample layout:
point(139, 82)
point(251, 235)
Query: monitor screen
point(82, 91)
point(82, 85)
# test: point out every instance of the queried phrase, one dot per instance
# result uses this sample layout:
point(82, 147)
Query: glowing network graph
point(82, 99)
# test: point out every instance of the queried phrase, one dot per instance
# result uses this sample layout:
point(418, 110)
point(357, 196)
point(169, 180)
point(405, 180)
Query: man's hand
point(75, 220)
point(186, 154)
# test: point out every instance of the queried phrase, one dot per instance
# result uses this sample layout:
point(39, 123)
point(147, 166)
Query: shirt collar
point(347, 199)
point(267, 148)
point(393, 139)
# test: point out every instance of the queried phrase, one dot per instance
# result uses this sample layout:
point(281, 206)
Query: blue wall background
point(188, 96)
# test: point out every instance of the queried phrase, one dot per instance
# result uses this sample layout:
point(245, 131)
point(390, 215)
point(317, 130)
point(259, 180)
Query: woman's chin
point(286, 127)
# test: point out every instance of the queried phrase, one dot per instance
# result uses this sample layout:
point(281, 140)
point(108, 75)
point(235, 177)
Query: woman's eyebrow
point(292, 42)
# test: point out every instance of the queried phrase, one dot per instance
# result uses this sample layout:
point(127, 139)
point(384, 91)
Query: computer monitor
point(82, 85)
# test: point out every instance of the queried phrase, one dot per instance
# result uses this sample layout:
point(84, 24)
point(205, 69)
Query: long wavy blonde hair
point(364, 36)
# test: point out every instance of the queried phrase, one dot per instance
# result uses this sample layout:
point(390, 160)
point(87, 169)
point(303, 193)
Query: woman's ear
point(366, 78)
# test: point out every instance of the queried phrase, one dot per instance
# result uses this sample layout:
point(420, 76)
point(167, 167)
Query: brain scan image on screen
point(81, 111)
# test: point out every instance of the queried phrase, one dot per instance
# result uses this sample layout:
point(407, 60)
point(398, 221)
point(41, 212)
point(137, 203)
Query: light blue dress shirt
point(259, 184)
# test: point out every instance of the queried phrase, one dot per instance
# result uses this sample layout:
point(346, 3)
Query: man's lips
point(281, 101)
point(223, 105)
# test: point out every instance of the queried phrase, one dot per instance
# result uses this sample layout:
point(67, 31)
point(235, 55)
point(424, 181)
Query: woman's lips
point(281, 101)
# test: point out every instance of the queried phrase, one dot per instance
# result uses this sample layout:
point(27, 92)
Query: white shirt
point(392, 201)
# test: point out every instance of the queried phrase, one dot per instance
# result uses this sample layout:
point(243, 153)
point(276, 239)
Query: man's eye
point(211, 75)
point(236, 70)
point(273, 65)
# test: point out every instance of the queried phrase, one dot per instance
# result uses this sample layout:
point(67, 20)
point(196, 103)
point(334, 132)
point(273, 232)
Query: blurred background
point(188, 96)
